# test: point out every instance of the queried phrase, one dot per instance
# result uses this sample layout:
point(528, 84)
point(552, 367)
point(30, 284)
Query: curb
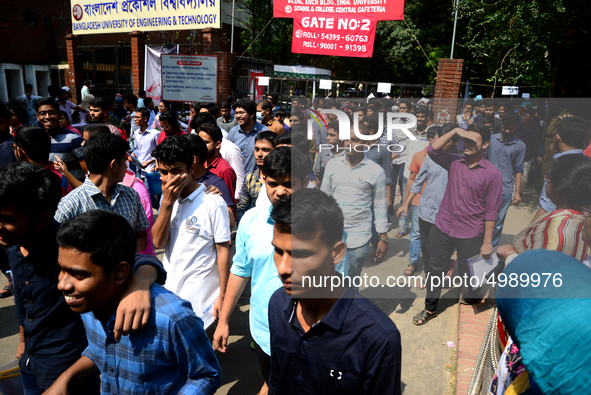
point(473, 321)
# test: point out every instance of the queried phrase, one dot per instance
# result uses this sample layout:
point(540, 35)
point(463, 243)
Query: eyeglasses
point(586, 212)
point(44, 113)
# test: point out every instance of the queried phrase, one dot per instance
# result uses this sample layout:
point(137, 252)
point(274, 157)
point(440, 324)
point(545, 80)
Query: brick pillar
point(225, 62)
point(138, 41)
point(70, 72)
point(211, 40)
point(447, 89)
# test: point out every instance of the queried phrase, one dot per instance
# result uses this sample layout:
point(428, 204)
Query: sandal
point(400, 235)
point(424, 316)
point(6, 294)
point(410, 270)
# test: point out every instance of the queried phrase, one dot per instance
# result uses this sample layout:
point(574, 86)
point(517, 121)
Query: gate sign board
point(335, 35)
point(112, 16)
point(384, 10)
point(189, 78)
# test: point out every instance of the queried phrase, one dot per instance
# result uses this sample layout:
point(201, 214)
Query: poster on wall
point(104, 16)
point(189, 78)
point(153, 70)
point(325, 34)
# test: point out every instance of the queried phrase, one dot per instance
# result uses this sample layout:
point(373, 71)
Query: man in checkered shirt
point(105, 156)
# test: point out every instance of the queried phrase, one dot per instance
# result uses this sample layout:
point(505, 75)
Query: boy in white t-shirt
point(194, 229)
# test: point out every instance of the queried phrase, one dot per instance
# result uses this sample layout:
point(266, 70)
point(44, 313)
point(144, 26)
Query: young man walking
point(193, 227)
point(507, 153)
point(468, 212)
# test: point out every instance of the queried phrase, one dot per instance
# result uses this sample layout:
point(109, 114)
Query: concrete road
point(425, 353)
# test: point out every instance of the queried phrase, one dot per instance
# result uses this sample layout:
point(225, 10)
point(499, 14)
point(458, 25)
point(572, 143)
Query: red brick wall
point(225, 61)
point(447, 89)
point(137, 60)
point(71, 42)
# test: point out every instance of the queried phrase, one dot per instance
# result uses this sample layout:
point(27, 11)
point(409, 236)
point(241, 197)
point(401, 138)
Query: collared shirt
point(51, 328)
point(246, 143)
point(63, 145)
point(250, 192)
point(221, 168)
point(254, 258)
point(197, 223)
point(508, 157)
point(545, 203)
point(473, 195)
point(172, 355)
point(67, 108)
point(355, 190)
point(231, 153)
point(435, 178)
point(354, 349)
point(226, 126)
point(125, 202)
point(145, 142)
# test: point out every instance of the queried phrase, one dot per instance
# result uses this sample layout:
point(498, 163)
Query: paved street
point(425, 353)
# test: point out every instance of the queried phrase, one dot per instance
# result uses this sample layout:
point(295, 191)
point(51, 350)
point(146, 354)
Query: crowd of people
point(248, 193)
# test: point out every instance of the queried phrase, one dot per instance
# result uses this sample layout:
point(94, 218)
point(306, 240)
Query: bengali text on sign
point(384, 10)
point(325, 34)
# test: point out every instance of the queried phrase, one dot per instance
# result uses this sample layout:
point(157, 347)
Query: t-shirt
point(6, 154)
point(211, 179)
point(415, 167)
point(63, 145)
point(197, 223)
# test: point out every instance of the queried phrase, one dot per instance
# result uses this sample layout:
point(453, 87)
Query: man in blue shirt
point(506, 152)
point(171, 355)
point(327, 339)
point(244, 133)
point(285, 170)
point(569, 139)
point(52, 338)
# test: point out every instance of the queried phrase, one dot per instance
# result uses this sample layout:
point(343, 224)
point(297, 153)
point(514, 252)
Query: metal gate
point(108, 67)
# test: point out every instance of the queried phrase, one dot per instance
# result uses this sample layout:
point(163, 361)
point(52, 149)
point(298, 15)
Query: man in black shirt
point(324, 340)
point(52, 337)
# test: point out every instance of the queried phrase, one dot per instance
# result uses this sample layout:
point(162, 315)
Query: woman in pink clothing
point(131, 181)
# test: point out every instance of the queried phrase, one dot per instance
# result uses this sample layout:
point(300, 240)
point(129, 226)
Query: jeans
point(414, 251)
point(355, 259)
point(441, 248)
point(425, 230)
point(397, 180)
point(501, 219)
point(39, 373)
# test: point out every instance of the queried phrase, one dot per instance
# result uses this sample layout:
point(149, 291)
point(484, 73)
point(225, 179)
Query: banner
point(153, 71)
point(256, 90)
point(189, 78)
point(326, 34)
point(104, 16)
point(384, 10)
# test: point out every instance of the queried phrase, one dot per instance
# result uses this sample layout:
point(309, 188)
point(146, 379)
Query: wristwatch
point(384, 238)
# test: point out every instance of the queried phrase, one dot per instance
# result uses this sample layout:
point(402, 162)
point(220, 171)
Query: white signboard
point(510, 91)
point(189, 78)
point(525, 95)
point(384, 87)
point(325, 84)
point(263, 81)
